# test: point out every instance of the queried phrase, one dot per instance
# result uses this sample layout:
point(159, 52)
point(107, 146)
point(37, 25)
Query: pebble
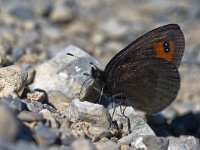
point(135, 126)
point(61, 12)
point(34, 106)
point(96, 133)
point(45, 136)
point(12, 85)
point(89, 112)
point(58, 100)
point(30, 116)
point(105, 145)
point(48, 116)
point(8, 124)
point(84, 144)
point(21, 11)
point(15, 103)
point(36, 96)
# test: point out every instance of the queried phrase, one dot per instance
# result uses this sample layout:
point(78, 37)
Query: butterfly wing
point(144, 72)
point(150, 45)
point(149, 84)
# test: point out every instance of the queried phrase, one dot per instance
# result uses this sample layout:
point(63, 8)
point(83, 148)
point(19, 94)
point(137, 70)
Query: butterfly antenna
point(91, 64)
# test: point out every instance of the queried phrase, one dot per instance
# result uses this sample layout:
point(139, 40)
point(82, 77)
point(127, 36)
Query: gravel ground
point(40, 84)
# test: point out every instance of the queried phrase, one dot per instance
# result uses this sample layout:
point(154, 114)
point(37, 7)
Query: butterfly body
point(145, 73)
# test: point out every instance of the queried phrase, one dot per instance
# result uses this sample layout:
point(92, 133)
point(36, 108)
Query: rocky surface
point(40, 84)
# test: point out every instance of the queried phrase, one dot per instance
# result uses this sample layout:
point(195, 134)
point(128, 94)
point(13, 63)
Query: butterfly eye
point(166, 47)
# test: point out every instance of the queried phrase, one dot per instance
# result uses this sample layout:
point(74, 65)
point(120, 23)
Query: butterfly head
point(97, 74)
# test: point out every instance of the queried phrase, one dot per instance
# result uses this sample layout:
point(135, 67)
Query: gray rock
point(62, 147)
point(84, 144)
point(114, 29)
point(18, 51)
point(8, 124)
point(12, 80)
point(45, 136)
point(184, 143)
point(96, 133)
point(63, 73)
point(20, 145)
point(48, 116)
point(58, 100)
point(43, 7)
point(14, 103)
point(107, 145)
point(88, 112)
point(34, 106)
point(67, 137)
point(61, 12)
point(147, 142)
point(21, 11)
point(30, 116)
point(31, 72)
point(137, 125)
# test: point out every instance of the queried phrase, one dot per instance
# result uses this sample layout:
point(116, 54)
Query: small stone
point(19, 145)
point(45, 136)
point(50, 108)
point(36, 96)
point(114, 29)
point(12, 79)
point(84, 144)
point(67, 137)
point(21, 11)
point(184, 143)
point(8, 124)
point(89, 112)
point(107, 145)
point(58, 100)
point(135, 126)
point(96, 133)
point(15, 103)
point(43, 7)
point(30, 116)
point(31, 73)
point(155, 143)
point(48, 116)
point(61, 12)
point(34, 106)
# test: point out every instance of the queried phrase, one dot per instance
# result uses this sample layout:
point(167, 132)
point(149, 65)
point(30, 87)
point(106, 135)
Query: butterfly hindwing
point(149, 85)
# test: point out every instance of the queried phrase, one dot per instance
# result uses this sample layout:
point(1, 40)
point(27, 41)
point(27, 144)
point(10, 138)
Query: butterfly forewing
point(150, 45)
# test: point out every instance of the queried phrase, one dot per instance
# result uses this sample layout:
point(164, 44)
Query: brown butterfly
point(145, 73)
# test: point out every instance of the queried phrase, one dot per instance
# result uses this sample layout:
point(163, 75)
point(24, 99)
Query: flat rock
point(135, 126)
point(12, 80)
point(30, 116)
point(63, 73)
point(88, 112)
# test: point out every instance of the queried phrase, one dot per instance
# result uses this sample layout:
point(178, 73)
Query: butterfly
point(144, 74)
